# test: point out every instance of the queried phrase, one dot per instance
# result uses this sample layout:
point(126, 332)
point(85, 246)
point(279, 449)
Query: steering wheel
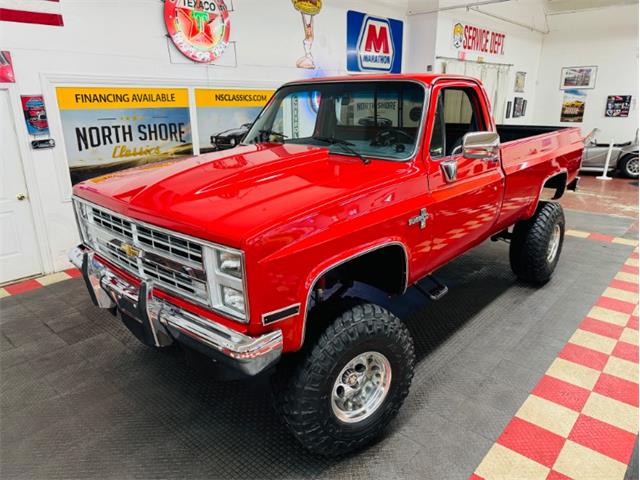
point(390, 136)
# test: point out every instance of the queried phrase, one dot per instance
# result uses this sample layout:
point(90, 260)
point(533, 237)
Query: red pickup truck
point(249, 256)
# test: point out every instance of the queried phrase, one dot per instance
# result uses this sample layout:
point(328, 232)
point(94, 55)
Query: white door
point(19, 256)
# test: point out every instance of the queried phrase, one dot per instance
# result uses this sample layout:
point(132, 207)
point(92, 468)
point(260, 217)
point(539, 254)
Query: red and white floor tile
point(33, 283)
point(581, 420)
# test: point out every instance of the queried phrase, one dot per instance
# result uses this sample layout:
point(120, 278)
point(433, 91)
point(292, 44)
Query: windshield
point(369, 119)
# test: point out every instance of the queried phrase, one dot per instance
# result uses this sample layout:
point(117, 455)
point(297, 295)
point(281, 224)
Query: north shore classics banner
point(226, 114)
point(108, 129)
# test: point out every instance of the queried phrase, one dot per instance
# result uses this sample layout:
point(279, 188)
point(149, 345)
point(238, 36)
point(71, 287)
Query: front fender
point(340, 259)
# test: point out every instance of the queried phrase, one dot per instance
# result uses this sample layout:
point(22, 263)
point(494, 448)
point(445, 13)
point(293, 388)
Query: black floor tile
point(81, 398)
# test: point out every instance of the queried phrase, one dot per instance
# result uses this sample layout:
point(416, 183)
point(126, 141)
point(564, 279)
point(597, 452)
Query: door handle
point(492, 158)
point(450, 170)
point(21, 197)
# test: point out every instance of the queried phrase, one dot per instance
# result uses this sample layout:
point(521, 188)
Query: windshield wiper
point(346, 146)
point(271, 132)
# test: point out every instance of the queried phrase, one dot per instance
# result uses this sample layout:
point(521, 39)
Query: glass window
point(295, 117)
point(373, 119)
point(457, 114)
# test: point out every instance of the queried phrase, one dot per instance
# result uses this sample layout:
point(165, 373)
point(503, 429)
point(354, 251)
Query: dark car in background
point(230, 138)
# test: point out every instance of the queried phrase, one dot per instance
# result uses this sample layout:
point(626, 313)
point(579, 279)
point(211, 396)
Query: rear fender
point(553, 188)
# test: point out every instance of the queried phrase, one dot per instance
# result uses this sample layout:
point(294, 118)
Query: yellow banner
point(232, 98)
point(96, 98)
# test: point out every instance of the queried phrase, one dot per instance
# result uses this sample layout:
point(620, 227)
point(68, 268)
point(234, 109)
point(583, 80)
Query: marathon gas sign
point(374, 44)
point(471, 38)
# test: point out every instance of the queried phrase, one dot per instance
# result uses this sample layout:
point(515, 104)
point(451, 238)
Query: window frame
point(478, 101)
point(443, 126)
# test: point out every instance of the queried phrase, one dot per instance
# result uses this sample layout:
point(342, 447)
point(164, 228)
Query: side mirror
point(481, 145)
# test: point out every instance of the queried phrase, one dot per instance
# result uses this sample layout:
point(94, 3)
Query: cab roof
point(425, 78)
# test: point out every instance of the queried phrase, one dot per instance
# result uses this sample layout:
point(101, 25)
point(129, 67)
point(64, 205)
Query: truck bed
point(509, 133)
point(529, 160)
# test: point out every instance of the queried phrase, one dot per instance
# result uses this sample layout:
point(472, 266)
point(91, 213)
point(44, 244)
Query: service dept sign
point(374, 44)
point(470, 38)
point(199, 28)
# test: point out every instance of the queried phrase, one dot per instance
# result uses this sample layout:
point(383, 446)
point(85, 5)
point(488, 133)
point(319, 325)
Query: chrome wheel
point(361, 387)
point(632, 167)
point(554, 244)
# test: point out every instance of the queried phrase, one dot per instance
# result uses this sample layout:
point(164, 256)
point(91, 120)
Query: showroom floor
point(509, 378)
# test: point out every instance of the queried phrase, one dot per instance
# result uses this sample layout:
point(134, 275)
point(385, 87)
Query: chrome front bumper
point(158, 323)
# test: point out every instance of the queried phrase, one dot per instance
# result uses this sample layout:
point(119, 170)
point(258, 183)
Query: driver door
point(467, 203)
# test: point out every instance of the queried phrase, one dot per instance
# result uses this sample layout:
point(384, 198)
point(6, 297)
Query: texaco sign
point(199, 28)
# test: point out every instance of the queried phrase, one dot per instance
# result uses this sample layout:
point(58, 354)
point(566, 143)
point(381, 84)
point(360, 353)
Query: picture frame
point(517, 107)
point(573, 106)
point(508, 112)
point(519, 82)
point(583, 78)
point(618, 106)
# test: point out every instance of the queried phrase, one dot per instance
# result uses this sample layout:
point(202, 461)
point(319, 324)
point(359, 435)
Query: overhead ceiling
point(563, 6)
point(548, 6)
point(536, 15)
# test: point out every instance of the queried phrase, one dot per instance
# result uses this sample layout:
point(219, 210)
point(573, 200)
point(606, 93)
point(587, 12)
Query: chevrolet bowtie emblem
point(130, 250)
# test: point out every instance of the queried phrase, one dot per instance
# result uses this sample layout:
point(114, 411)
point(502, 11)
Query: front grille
point(170, 244)
point(171, 261)
point(168, 276)
point(112, 223)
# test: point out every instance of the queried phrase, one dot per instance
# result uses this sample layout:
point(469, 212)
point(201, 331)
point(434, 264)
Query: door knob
point(21, 196)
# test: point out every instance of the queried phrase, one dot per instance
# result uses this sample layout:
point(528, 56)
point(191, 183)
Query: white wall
point(421, 42)
point(607, 38)
point(123, 42)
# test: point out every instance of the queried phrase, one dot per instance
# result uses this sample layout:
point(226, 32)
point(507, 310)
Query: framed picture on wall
point(518, 85)
point(524, 107)
point(508, 112)
point(618, 106)
point(578, 77)
point(573, 105)
point(518, 103)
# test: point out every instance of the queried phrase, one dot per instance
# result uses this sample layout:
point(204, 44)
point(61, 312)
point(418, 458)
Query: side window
point(460, 108)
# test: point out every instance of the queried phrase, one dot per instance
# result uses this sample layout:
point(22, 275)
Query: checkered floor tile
point(581, 419)
point(33, 283)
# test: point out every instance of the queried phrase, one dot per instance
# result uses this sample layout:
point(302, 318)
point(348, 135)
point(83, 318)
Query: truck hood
point(226, 197)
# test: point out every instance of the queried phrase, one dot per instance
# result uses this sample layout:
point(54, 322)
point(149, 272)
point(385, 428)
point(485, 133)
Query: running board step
point(437, 292)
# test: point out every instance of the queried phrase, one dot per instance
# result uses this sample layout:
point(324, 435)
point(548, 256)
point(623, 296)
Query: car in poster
point(253, 256)
point(230, 138)
point(624, 157)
